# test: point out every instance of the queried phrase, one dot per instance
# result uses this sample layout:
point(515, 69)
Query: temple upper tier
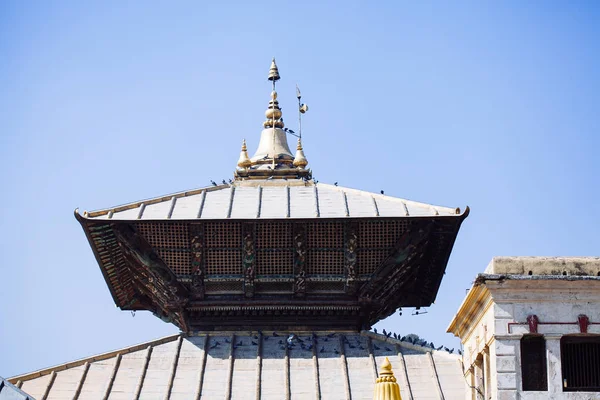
point(273, 249)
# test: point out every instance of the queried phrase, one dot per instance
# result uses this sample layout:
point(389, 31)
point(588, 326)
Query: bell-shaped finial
point(244, 160)
point(274, 71)
point(386, 387)
point(300, 160)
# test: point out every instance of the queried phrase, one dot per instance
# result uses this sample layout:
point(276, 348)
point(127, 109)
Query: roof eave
point(83, 221)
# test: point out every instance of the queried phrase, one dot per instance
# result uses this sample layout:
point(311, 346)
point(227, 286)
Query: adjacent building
point(530, 328)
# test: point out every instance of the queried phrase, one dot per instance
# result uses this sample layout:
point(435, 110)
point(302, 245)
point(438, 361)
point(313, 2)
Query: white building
point(530, 327)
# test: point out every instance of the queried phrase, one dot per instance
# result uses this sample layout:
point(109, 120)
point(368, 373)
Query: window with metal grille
point(580, 359)
point(533, 363)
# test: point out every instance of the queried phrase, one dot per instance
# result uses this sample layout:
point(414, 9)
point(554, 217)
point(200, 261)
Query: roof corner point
point(465, 213)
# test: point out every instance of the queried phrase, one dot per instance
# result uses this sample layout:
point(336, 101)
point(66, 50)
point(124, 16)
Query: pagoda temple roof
point(273, 248)
point(252, 365)
point(270, 199)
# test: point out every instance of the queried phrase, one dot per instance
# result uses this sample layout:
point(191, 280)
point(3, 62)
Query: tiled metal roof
point(10, 392)
point(270, 200)
point(244, 365)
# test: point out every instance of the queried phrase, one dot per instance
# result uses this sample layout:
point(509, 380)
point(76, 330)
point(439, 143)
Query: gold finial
point(244, 160)
point(386, 387)
point(274, 71)
point(273, 112)
point(300, 160)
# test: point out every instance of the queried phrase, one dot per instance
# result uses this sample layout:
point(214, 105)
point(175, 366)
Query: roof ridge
point(97, 357)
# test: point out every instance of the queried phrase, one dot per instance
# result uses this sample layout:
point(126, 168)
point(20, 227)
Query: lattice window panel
point(275, 287)
point(368, 260)
point(329, 235)
point(380, 234)
point(325, 262)
point(223, 235)
point(273, 235)
point(223, 262)
point(169, 235)
point(178, 260)
point(326, 286)
point(224, 287)
point(276, 262)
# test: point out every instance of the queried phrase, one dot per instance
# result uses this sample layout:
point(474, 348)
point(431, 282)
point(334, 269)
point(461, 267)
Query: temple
point(274, 280)
point(273, 249)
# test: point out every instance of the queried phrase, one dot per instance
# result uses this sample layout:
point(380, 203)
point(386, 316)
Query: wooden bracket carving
point(350, 256)
point(153, 277)
point(299, 259)
point(248, 258)
point(198, 269)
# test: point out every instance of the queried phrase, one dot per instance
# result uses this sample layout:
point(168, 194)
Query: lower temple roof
point(252, 365)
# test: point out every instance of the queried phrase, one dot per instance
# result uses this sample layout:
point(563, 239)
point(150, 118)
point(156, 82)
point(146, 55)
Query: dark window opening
point(580, 359)
point(533, 363)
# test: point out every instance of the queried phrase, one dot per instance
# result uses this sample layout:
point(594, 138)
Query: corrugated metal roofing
point(271, 200)
point(244, 365)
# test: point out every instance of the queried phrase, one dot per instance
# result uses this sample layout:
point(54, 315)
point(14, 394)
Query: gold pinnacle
point(274, 71)
point(386, 387)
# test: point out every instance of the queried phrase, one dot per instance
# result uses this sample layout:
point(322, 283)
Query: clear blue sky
point(494, 106)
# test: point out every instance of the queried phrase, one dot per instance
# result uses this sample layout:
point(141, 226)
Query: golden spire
point(273, 112)
point(273, 72)
point(386, 387)
point(244, 160)
point(300, 160)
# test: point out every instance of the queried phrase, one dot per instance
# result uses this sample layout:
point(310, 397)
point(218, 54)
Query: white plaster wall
point(556, 301)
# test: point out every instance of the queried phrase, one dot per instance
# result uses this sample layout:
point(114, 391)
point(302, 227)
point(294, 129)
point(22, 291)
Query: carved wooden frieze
point(248, 258)
point(350, 255)
point(198, 270)
point(300, 248)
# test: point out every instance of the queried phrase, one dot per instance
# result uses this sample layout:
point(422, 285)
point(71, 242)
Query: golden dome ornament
point(300, 160)
point(244, 160)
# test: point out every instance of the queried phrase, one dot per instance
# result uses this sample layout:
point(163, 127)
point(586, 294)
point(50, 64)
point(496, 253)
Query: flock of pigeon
point(294, 341)
point(413, 339)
